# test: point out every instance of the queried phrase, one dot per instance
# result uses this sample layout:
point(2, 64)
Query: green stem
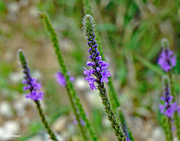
point(176, 116)
point(170, 130)
point(44, 121)
point(75, 110)
point(117, 129)
point(71, 91)
point(112, 93)
point(166, 123)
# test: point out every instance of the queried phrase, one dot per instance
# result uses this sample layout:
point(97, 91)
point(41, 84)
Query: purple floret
point(99, 67)
point(61, 79)
point(34, 87)
point(167, 59)
point(168, 107)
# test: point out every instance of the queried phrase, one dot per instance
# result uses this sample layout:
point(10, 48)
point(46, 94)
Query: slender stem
point(176, 116)
point(166, 123)
point(71, 91)
point(44, 121)
point(75, 110)
point(112, 93)
point(170, 130)
point(117, 129)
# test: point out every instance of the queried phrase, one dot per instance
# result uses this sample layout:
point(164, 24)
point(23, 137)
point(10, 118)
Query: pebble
point(158, 134)
point(5, 109)
point(13, 127)
point(4, 134)
point(81, 84)
point(20, 105)
point(15, 77)
point(35, 138)
point(60, 124)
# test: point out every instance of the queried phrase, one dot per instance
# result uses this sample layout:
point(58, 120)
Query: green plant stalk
point(44, 121)
point(176, 116)
point(112, 93)
point(125, 129)
point(117, 128)
point(72, 94)
point(166, 123)
point(88, 22)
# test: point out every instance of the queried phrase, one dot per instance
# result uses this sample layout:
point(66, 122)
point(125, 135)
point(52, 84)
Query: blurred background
point(131, 32)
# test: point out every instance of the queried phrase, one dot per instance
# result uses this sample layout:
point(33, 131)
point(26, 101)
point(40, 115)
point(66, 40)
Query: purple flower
point(99, 70)
point(167, 59)
point(91, 81)
point(170, 110)
point(167, 108)
point(61, 80)
point(82, 122)
point(105, 74)
point(31, 84)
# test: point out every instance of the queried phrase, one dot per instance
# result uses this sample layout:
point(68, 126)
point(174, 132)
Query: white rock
point(60, 123)
point(5, 109)
point(4, 134)
point(13, 7)
point(33, 12)
point(94, 98)
point(81, 84)
point(20, 105)
point(158, 134)
point(36, 74)
point(35, 138)
point(16, 77)
point(46, 137)
point(12, 127)
point(175, 139)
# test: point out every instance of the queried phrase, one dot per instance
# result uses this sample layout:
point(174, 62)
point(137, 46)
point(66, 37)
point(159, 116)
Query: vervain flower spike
point(111, 93)
point(99, 74)
point(167, 61)
point(61, 80)
point(35, 92)
point(167, 108)
point(75, 102)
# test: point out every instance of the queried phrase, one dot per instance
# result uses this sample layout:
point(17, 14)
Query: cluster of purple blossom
point(61, 79)
point(167, 59)
point(99, 66)
point(168, 108)
point(34, 87)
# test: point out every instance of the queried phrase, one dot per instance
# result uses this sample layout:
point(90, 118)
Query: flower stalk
point(167, 61)
point(167, 108)
point(101, 73)
point(75, 102)
point(35, 93)
point(176, 116)
point(111, 93)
